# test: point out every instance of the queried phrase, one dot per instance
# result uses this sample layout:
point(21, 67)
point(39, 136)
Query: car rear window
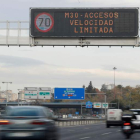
point(23, 112)
point(136, 112)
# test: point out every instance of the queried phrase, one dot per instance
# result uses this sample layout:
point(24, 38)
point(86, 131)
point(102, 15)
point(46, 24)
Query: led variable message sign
point(88, 22)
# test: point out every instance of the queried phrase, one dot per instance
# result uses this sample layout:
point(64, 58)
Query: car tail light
point(126, 123)
point(4, 122)
point(20, 117)
point(38, 122)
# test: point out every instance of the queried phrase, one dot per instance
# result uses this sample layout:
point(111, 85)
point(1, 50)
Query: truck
point(114, 117)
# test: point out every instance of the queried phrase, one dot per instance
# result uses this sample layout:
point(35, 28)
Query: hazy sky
point(65, 67)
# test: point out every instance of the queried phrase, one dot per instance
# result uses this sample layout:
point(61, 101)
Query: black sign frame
point(35, 33)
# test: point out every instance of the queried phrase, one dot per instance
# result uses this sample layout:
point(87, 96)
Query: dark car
point(131, 122)
point(32, 122)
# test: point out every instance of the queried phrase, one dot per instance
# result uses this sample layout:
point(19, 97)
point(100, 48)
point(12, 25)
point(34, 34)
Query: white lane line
point(69, 126)
point(70, 130)
point(84, 138)
point(118, 130)
point(86, 128)
point(106, 133)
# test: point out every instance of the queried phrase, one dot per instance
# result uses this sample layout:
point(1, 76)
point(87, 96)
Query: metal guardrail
point(75, 122)
point(17, 33)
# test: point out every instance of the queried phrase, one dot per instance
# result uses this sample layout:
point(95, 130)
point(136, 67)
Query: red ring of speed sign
point(44, 22)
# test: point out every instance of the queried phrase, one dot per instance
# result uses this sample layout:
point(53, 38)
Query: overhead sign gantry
point(74, 27)
point(84, 22)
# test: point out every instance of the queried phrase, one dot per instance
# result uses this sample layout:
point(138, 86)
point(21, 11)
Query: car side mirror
point(2, 116)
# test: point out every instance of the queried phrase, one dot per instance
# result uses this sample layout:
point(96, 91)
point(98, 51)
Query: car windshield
point(22, 112)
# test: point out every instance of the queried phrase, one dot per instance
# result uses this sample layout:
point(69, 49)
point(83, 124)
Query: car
point(114, 117)
point(69, 115)
point(59, 116)
point(31, 122)
point(135, 118)
point(131, 122)
point(75, 117)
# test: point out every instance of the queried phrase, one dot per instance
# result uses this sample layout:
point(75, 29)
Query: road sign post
point(105, 106)
point(88, 104)
point(76, 113)
point(44, 93)
point(81, 109)
point(37, 93)
point(69, 93)
point(30, 92)
point(97, 105)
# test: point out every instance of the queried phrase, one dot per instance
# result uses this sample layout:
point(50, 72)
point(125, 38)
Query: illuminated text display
point(84, 22)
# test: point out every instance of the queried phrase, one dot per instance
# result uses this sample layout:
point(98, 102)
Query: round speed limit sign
point(44, 22)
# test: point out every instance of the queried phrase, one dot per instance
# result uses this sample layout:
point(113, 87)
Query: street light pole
point(118, 104)
point(130, 94)
point(131, 99)
point(7, 96)
point(105, 107)
point(114, 80)
point(19, 94)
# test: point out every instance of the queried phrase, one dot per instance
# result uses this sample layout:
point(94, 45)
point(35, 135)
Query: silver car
point(32, 122)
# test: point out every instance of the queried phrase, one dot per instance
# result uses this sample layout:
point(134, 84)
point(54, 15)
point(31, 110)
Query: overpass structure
point(52, 105)
point(17, 33)
point(80, 107)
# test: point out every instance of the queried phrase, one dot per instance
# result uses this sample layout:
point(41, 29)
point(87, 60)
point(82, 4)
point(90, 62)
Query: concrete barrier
point(75, 122)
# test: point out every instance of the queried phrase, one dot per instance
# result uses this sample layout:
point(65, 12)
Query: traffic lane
point(111, 133)
point(80, 128)
point(85, 128)
point(113, 136)
point(102, 132)
point(82, 132)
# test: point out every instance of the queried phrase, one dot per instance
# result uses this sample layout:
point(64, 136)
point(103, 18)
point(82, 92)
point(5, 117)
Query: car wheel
point(128, 136)
point(107, 126)
point(56, 136)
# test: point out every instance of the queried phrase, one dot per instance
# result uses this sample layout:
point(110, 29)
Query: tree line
point(126, 97)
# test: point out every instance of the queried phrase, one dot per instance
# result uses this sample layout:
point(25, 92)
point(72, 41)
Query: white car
point(135, 118)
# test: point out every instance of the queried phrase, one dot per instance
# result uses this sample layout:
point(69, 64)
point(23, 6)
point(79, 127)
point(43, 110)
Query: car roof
point(114, 109)
point(134, 109)
point(28, 107)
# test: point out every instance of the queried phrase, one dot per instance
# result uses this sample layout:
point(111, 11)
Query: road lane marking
point(106, 133)
point(86, 128)
point(118, 130)
point(84, 138)
point(70, 130)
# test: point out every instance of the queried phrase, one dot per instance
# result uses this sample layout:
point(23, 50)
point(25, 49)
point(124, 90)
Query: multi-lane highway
point(93, 132)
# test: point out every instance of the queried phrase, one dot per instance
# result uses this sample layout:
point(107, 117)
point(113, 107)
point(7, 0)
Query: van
point(114, 117)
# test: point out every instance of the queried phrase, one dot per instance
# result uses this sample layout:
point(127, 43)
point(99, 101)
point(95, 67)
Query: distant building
point(14, 96)
point(137, 86)
point(110, 86)
point(107, 86)
point(2, 94)
point(21, 95)
point(11, 96)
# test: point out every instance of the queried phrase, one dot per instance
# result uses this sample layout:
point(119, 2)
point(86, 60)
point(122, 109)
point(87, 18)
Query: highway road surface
point(93, 132)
